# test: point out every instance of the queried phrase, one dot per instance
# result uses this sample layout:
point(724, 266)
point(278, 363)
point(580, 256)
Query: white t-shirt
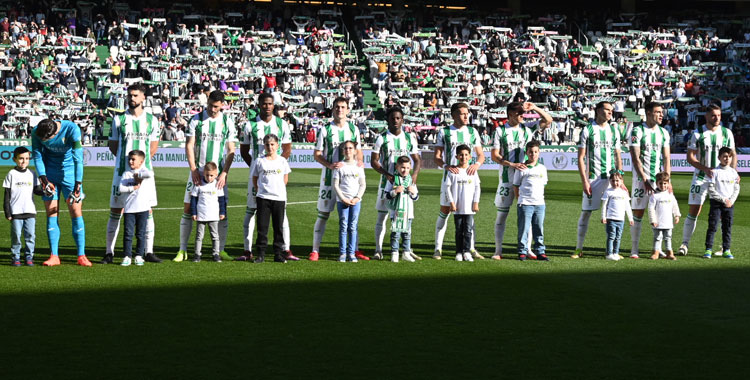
point(270, 175)
point(617, 204)
point(463, 190)
point(531, 182)
point(21, 185)
point(724, 181)
point(139, 200)
point(208, 201)
point(348, 177)
point(662, 208)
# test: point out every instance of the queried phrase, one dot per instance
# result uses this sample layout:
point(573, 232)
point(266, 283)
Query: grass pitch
point(585, 318)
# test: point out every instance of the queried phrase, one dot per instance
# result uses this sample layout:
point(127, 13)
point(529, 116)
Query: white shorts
point(504, 197)
point(698, 191)
point(598, 187)
point(117, 200)
point(381, 203)
point(326, 198)
point(251, 192)
point(189, 188)
point(638, 196)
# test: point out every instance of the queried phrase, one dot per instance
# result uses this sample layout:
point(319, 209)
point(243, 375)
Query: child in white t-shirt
point(137, 206)
point(349, 184)
point(663, 213)
point(208, 205)
point(528, 186)
point(20, 186)
point(401, 194)
point(615, 205)
point(462, 191)
point(270, 175)
point(723, 189)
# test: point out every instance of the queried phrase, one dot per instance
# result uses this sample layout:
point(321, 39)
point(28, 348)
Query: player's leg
point(53, 228)
point(698, 193)
point(440, 225)
point(638, 202)
point(326, 204)
point(503, 201)
point(150, 255)
point(78, 229)
point(223, 228)
point(381, 206)
point(116, 203)
point(248, 224)
point(186, 222)
point(588, 205)
point(287, 234)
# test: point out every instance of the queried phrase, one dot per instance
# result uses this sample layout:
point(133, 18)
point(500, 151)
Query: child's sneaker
point(497, 257)
point(394, 256)
point(612, 258)
point(126, 261)
point(217, 258)
point(437, 255)
point(16, 263)
point(577, 254)
point(468, 257)
point(279, 258)
point(52, 261)
point(459, 257)
point(415, 256)
point(655, 255)
point(670, 255)
point(353, 258)
point(29, 263)
point(634, 256)
point(342, 258)
point(181, 256)
point(707, 254)
point(139, 261)
point(683, 251)
point(408, 257)
point(522, 257)
point(728, 254)
point(542, 257)
point(360, 255)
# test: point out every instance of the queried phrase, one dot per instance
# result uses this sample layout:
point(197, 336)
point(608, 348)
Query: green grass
point(585, 318)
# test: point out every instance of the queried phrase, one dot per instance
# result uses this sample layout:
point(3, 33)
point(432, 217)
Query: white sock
point(440, 227)
point(286, 233)
point(249, 228)
point(635, 235)
point(223, 228)
point(320, 230)
point(113, 228)
point(186, 228)
point(500, 231)
point(583, 227)
point(688, 229)
point(150, 234)
point(380, 231)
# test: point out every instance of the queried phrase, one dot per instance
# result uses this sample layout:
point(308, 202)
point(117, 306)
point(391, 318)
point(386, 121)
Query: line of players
point(211, 137)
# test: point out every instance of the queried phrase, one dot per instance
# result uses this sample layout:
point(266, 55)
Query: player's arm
point(582, 171)
point(693, 160)
point(472, 169)
point(286, 150)
point(375, 164)
point(36, 155)
point(153, 147)
point(360, 156)
point(546, 119)
point(245, 154)
point(416, 168)
point(222, 179)
point(496, 156)
point(635, 156)
point(439, 157)
point(667, 154)
point(318, 155)
point(618, 159)
point(190, 153)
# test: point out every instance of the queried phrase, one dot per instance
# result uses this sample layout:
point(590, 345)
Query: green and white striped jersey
point(451, 137)
point(600, 143)
point(133, 133)
point(211, 136)
point(330, 136)
point(511, 142)
point(651, 142)
point(254, 131)
point(390, 147)
point(707, 144)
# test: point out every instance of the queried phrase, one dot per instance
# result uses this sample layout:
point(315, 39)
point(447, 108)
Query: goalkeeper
point(58, 157)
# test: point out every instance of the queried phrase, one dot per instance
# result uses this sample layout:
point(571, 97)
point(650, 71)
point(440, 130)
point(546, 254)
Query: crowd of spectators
point(49, 62)
point(425, 66)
